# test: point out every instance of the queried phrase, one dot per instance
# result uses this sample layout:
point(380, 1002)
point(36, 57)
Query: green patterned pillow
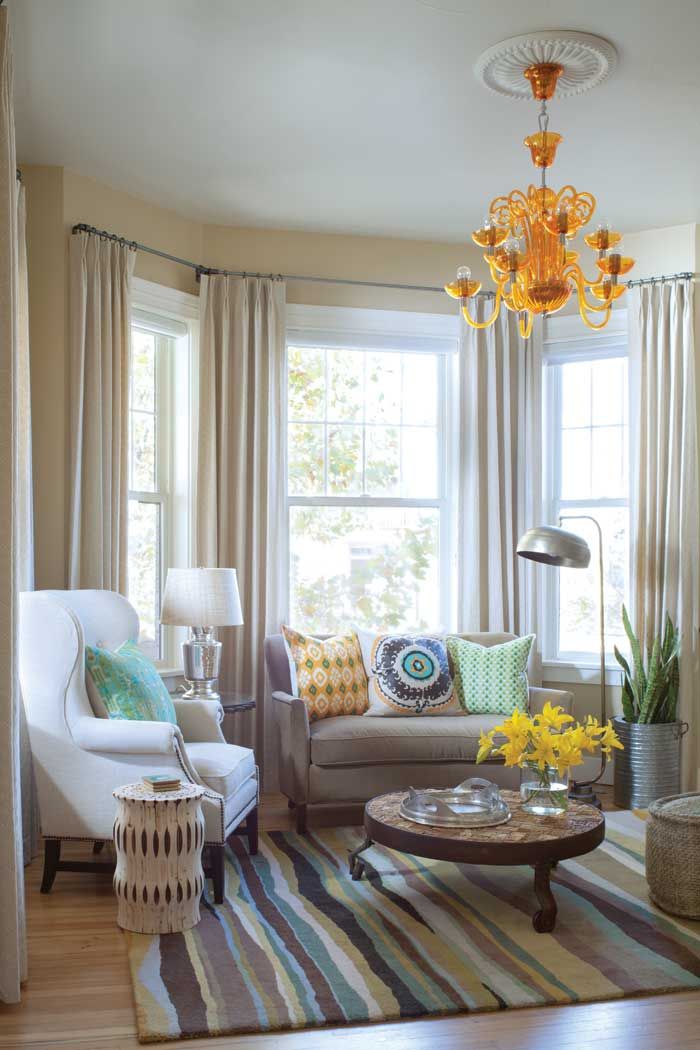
point(491, 679)
point(125, 684)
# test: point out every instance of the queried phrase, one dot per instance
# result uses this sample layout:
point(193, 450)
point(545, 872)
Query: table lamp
point(206, 597)
point(552, 545)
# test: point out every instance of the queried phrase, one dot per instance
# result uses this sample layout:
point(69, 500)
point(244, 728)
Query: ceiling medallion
point(525, 235)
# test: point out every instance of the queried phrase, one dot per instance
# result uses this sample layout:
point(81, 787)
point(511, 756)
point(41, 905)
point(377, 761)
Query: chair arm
point(556, 697)
point(292, 718)
point(199, 720)
point(126, 736)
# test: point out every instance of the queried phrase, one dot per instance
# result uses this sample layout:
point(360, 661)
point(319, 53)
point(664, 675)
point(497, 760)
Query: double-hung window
point(586, 472)
point(159, 456)
point(369, 470)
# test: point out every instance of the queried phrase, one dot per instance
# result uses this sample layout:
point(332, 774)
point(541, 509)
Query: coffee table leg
point(357, 868)
point(544, 919)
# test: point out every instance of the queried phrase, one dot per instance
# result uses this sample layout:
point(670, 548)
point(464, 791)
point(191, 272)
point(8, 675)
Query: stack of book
point(159, 782)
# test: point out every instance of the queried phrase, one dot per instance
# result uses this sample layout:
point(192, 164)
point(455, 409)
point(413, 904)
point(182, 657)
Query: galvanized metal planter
point(650, 765)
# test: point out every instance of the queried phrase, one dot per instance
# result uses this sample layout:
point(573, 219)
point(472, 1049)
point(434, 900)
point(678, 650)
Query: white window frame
point(350, 328)
point(565, 339)
point(173, 315)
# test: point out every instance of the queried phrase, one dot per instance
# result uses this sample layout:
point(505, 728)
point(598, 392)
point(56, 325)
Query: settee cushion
point(222, 767)
point(372, 741)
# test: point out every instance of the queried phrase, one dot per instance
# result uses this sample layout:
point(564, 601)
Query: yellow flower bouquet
point(547, 744)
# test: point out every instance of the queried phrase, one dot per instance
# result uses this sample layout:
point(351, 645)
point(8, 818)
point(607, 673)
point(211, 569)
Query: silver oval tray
point(475, 803)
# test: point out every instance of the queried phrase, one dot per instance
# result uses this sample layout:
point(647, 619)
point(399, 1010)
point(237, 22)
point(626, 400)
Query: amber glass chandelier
point(526, 239)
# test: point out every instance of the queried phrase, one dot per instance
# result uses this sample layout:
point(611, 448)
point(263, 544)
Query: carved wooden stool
point(158, 838)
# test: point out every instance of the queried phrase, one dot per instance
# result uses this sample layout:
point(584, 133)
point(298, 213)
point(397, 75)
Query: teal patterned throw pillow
point(127, 685)
point(490, 679)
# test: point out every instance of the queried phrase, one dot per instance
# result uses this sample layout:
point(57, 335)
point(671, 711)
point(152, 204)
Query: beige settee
point(354, 757)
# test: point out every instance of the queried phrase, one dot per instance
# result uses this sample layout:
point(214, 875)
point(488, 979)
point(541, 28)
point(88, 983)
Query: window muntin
point(587, 444)
point(367, 488)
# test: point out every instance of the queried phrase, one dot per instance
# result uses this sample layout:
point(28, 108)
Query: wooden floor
point(79, 992)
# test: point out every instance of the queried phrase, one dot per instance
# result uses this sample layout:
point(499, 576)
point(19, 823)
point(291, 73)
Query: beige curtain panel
point(500, 476)
point(13, 953)
point(665, 484)
point(241, 477)
point(25, 552)
point(100, 293)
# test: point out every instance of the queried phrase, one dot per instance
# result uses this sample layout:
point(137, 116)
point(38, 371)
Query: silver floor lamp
point(552, 545)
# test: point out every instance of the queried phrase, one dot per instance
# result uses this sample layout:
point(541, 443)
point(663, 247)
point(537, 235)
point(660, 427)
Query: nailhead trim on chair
point(213, 796)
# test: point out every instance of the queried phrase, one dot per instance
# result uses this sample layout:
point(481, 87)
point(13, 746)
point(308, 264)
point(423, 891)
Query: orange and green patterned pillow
point(328, 674)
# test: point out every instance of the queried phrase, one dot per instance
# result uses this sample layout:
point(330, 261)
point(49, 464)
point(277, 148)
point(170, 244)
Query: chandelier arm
point(484, 324)
point(583, 311)
point(526, 328)
point(590, 324)
point(581, 282)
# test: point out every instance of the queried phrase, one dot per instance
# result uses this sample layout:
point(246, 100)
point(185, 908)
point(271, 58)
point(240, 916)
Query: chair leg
point(301, 819)
point(216, 853)
point(97, 846)
point(251, 830)
point(52, 855)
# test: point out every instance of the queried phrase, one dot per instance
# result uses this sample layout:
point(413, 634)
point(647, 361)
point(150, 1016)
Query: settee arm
point(199, 720)
point(556, 697)
point(126, 736)
point(292, 719)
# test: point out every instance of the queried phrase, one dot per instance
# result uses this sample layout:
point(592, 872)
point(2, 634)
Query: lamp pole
point(583, 791)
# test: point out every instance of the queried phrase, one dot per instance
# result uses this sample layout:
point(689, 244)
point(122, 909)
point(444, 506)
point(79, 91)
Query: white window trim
point(564, 337)
point(181, 384)
point(351, 328)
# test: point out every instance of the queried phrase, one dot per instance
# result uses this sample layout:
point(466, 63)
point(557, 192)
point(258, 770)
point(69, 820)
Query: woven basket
point(673, 854)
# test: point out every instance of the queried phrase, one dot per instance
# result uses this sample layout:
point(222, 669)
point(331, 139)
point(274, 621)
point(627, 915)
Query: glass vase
point(544, 792)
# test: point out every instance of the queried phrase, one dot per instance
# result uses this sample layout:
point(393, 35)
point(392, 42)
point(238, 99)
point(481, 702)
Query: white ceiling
point(358, 116)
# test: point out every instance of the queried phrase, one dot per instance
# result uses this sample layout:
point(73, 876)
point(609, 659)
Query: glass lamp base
point(201, 656)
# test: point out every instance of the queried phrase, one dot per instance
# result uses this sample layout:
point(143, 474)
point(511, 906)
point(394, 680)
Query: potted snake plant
point(649, 766)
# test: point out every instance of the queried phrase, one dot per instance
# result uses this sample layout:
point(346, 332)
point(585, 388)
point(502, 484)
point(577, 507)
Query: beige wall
point(85, 200)
point(46, 247)
point(355, 258)
point(58, 198)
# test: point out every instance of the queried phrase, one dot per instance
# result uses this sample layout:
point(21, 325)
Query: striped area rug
point(298, 944)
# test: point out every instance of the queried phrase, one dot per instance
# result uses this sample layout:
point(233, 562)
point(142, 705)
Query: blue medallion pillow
point(125, 684)
point(407, 675)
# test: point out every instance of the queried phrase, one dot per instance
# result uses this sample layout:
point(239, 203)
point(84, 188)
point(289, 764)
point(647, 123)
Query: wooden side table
point(158, 839)
point(235, 702)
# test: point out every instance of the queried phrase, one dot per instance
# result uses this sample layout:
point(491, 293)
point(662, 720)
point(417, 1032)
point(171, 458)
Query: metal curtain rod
point(82, 227)
point(199, 269)
point(685, 276)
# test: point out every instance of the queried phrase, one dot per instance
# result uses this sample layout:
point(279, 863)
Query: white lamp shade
point(201, 598)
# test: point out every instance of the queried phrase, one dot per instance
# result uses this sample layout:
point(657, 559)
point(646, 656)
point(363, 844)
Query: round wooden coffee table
point(525, 839)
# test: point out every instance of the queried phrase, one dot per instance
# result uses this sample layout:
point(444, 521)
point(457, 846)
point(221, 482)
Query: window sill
point(169, 672)
point(578, 673)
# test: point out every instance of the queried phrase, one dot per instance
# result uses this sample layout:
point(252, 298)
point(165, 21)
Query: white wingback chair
point(79, 759)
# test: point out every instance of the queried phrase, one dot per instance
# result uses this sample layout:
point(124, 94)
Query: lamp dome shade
point(201, 598)
point(552, 545)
